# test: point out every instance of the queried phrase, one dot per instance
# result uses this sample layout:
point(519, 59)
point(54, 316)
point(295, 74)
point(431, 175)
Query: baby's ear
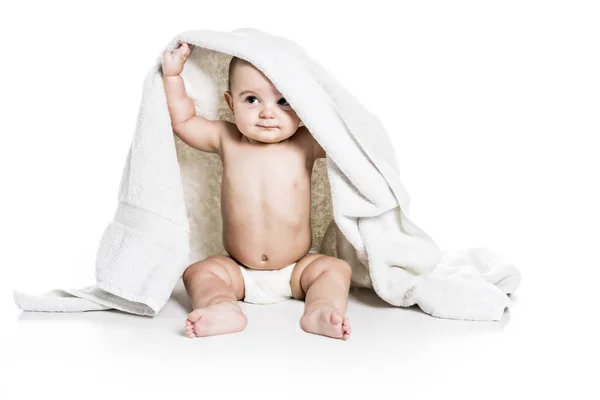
point(228, 99)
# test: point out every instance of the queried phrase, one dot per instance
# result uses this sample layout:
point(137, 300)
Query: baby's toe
point(190, 333)
point(346, 326)
point(336, 318)
point(194, 316)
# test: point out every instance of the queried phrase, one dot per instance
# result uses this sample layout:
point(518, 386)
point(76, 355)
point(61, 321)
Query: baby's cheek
point(245, 119)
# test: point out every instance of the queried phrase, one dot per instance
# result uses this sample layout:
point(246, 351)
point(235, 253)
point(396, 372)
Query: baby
point(267, 163)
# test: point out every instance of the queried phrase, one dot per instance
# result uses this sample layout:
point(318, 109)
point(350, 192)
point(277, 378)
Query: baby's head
point(261, 113)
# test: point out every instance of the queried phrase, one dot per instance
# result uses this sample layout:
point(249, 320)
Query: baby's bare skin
point(265, 204)
point(265, 200)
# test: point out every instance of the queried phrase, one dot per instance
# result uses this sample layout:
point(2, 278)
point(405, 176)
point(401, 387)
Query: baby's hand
point(172, 63)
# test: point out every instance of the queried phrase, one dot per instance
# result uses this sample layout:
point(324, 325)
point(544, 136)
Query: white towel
point(169, 198)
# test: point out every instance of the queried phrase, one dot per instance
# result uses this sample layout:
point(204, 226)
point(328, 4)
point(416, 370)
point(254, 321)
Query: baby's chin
point(267, 136)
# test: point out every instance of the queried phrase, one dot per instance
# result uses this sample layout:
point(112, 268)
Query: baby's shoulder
point(305, 140)
point(230, 131)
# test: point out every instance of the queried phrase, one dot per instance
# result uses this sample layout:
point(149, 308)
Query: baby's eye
point(283, 102)
point(249, 99)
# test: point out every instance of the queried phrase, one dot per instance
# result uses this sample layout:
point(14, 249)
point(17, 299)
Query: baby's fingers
point(181, 43)
point(184, 48)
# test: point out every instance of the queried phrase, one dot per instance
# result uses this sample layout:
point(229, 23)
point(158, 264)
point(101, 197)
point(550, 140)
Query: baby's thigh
point(225, 268)
point(298, 291)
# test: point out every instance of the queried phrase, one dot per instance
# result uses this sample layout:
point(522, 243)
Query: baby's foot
point(326, 321)
point(216, 319)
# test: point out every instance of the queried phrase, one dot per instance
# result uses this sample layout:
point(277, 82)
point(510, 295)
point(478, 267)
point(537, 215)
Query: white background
point(493, 108)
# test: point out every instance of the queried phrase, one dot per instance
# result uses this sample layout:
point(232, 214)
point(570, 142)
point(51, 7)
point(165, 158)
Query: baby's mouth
point(266, 127)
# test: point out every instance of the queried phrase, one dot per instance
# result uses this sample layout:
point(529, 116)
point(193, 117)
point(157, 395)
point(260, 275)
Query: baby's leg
point(214, 285)
point(324, 283)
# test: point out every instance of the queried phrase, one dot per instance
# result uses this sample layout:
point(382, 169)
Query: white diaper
point(266, 286)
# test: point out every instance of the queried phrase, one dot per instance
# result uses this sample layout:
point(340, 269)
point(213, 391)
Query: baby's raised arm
point(194, 130)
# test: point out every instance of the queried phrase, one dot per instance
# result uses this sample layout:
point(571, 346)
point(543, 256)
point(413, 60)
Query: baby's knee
point(342, 268)
point(332, 266)
point(207, 268)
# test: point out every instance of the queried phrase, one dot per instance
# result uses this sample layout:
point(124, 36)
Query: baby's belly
point(266, 237)
point(278, 254)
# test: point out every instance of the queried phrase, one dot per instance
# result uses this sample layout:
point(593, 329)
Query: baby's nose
point(267, 112)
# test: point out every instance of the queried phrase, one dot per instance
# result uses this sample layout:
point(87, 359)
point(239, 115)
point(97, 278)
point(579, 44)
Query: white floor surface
point(536, 349)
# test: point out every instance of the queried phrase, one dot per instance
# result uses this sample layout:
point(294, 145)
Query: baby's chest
point(267, 172)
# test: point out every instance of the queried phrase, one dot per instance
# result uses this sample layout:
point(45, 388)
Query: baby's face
point(261, 113)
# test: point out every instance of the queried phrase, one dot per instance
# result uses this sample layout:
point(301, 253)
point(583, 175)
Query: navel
point(264, 257)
